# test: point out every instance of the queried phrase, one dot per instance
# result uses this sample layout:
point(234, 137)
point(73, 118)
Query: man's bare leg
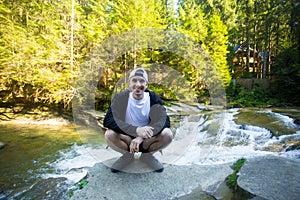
point(154, 144)
point(158, 142)
point(121, 143)
point(117, 142)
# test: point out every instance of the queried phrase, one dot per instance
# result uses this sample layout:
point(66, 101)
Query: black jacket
point(115, 116)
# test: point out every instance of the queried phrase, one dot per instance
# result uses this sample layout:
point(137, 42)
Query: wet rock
point(237, 105)
point(293, 146)
point(2, 145)
point(51, 188)
point(271, 177)
point(297, 121)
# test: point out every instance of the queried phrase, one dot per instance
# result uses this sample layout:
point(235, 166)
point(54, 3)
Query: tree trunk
point(266, 42)
point(72, 35)
point(247, 39)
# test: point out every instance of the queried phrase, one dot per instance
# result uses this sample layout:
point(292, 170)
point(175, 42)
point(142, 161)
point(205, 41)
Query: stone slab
point(271, 177)
point(174, 182)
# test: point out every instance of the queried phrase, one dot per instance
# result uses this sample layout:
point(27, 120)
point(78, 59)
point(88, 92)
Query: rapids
point(202, 135)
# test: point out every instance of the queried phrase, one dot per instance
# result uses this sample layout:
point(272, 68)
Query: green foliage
point(78, 186)
point(287, 73)
point(164, 92)
point(217, 44)
point(203, 96)
point(232, 178)
point(238, 164)
point(43, 45)
point(81, 184)
point(126, 15)
point(36, 66)
point(191, 22)
point(242, 96)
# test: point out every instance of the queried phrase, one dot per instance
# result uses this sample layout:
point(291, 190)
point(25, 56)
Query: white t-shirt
point(137, 112)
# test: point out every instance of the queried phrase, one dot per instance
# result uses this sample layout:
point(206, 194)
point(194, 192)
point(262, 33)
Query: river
point(203, 135)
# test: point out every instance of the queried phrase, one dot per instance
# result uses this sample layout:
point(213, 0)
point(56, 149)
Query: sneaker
point(152, 162)
point(122, 162)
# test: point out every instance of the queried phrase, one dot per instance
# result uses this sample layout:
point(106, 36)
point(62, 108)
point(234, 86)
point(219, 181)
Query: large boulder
point(173, 182)
point(271, 177)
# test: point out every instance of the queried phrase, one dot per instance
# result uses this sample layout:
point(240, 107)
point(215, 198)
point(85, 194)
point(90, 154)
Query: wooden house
point(257, 66)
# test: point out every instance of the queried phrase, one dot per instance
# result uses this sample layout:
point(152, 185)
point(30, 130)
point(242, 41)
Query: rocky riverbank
point(35, 114)
point(265, 177)
point(271, 177)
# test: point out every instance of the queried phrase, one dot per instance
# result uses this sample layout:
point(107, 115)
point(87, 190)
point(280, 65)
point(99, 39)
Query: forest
point(48, 45)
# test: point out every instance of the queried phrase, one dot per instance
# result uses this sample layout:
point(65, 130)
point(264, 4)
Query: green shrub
point(238, 164)
point(232, 178)
point(78, 186)
point(255, 97)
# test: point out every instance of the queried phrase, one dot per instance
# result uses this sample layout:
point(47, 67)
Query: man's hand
point(134, 145)
point(145, 132)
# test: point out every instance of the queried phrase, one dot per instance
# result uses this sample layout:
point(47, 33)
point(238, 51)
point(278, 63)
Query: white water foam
point(287, 152)
point(295, 154)
point(288, 122)
point(233, 141)
point(72, 164)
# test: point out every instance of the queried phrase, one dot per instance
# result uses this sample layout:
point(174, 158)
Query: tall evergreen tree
point(37, 65)
point(217, 43)
point(127, 17)
point(191, 22)
point(209, 31)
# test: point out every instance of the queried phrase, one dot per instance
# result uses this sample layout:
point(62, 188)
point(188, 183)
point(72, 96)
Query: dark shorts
point(141, 149)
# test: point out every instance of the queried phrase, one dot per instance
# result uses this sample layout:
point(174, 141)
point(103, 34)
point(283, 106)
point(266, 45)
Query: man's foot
point(152, 162)
point(122, 162)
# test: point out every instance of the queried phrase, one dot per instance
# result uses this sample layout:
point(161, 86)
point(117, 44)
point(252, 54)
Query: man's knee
point(110, 134)
point(167, 135)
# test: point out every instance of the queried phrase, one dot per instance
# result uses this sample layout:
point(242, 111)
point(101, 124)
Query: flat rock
point(173, 182)
point(271, 177)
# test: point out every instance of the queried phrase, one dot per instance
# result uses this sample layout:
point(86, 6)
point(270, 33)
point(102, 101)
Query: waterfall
point(215, 137)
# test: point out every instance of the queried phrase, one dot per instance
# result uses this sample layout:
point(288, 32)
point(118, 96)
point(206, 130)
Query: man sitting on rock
point(137, 122)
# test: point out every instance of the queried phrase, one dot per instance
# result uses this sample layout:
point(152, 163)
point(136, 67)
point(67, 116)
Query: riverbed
point(203, 136)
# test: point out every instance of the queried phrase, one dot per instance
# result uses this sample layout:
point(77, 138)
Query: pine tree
point(191, 22)
point(39, 65)
point(132, 20)
point(217, 44)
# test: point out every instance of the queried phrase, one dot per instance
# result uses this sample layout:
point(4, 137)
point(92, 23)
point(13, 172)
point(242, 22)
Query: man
point(137, 122)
